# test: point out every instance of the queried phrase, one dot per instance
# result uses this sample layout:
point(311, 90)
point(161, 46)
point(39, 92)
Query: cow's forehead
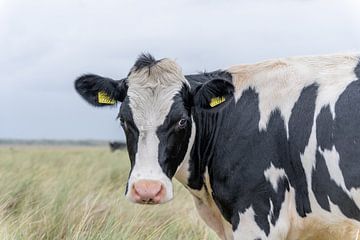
point(151, 92)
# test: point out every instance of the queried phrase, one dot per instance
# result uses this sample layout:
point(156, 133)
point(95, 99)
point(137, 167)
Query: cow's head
point(155, 114)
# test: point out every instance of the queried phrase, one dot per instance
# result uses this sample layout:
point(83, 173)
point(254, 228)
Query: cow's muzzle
point(148, 192)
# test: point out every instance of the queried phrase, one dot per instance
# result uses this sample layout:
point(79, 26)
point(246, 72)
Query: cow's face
point(155, 116)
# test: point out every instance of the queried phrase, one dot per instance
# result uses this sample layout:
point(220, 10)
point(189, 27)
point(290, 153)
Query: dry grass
point(78, 193)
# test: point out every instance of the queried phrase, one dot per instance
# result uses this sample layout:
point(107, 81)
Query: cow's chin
point(149, 191)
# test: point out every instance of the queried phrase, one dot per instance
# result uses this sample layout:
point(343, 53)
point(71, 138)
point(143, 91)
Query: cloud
point(45, 45)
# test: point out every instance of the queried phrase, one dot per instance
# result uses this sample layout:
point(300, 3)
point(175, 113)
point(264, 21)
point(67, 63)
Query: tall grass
point(78, 193)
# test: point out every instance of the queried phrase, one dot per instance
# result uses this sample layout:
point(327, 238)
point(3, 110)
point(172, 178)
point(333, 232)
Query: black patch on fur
point(325, 188)
point(300, 126)
point(131, 133)
point(145, 60)
point(325, 129)
point(174, 140)
point(237, 154)
point(347, 133)
point(343, 134)
point(228, 141)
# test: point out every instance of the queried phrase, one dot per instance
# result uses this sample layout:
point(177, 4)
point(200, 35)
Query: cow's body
point(279, 159)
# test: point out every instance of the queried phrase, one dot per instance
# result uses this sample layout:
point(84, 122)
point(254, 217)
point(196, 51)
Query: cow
point(116, 146)
point(268, 150)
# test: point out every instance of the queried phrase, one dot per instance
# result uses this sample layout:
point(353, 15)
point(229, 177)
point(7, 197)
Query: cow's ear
point(100, 91)
point(213, 93)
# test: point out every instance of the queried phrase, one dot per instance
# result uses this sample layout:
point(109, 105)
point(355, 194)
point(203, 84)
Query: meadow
point(78, 193)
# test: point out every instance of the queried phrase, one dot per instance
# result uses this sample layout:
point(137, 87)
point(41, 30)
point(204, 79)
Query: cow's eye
point(182, 123)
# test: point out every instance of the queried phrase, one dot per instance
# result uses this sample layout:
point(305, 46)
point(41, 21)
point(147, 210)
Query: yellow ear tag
point(105, 99)
point(216, 101)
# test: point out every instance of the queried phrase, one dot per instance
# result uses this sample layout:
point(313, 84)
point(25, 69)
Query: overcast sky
point(45, 45)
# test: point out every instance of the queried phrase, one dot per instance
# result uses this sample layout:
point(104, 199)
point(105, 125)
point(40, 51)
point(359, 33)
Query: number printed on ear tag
point(105, 99)
point(216, 101)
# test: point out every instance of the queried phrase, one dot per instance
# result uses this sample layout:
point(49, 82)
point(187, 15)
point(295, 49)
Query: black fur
point(300, 126)
point(343, 134)
point(196, 80)
point(131, 132)
point(229, 143)
point(173, 139)
point(211, 89)
point(116, 146)
point(145, 60)
point(89, 85)
point(347, 133)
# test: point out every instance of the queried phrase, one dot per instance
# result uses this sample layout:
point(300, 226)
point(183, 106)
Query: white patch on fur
point(273, 175)
point(211, 217)
point(279, 82)
point(151, 95)
point(334, 209)
point(271, 212)
point(331, 84)
point(248, 228)
point(332, 159)
point(280, 230)
point(209, 211)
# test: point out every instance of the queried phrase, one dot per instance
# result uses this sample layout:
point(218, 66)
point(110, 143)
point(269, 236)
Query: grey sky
point(45, 45)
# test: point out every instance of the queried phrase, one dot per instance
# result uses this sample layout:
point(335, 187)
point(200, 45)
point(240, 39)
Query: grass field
point(78, 193)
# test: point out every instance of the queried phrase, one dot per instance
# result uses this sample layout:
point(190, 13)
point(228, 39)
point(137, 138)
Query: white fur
point(279, 84)
point(209, 211)
point(281, 228)
point(332, 159)
point(273, 174)
point(151, 95)
point(248, 228)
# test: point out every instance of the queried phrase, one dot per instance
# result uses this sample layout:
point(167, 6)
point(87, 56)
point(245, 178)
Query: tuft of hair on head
point(148, 72)
point(144, 60)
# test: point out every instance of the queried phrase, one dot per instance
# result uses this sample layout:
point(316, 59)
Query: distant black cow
point(117, 146)
point(268, 150)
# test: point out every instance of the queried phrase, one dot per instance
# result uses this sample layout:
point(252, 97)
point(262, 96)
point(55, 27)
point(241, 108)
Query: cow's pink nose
point(148, 192)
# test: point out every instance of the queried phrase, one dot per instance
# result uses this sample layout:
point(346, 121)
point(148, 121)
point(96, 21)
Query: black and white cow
point(268, 150)
point(117, 146)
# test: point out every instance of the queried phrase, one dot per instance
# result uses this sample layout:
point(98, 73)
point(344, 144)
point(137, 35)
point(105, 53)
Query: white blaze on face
point(151, 92)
